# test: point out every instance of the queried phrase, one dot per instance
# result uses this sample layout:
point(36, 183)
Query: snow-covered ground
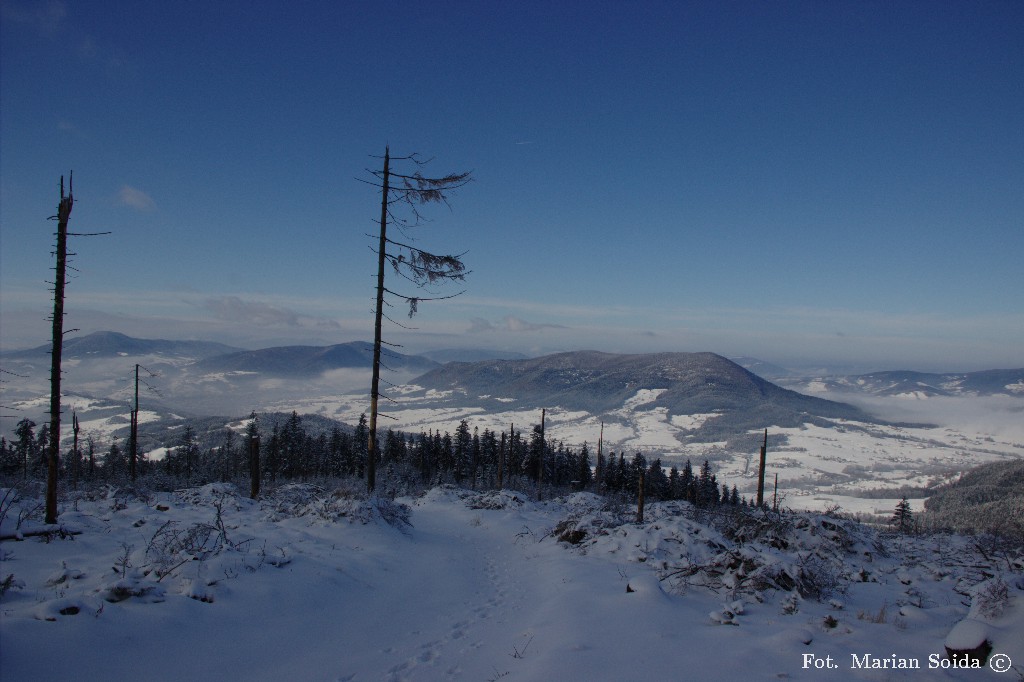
point(818, 467)
point(306, 585)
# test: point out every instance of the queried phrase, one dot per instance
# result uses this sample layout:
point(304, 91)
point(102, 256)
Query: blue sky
point(831, 183)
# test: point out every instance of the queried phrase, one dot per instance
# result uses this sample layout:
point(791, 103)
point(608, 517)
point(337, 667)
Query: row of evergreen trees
point(288, 451)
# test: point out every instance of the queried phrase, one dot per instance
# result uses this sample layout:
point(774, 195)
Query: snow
point(312, 584)
point(691, 422)
point(819, 467)
point(967, 634)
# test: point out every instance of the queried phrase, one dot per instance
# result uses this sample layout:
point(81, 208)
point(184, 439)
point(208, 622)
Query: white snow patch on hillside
point(912, 395)
point(642, 397)
point(691, 422)
point(157, 454)
point(817, 386)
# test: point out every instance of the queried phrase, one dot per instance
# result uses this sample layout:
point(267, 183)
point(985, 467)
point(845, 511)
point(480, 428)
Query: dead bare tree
point(760, 473)
point(64, 207)
point(406, 193)
point(133, 449)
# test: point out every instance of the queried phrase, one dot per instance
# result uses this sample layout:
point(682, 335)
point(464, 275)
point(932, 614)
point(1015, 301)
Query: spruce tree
point(25, 446)
point(585, 475)
point(903, 519)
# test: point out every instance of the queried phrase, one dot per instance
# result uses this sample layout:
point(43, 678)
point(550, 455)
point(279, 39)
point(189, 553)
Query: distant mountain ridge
point(211, 357)
point(113, 344)
point(923, 384)
point(684, 383)
point(304, 361)
point(441, 356)
point(199, 377)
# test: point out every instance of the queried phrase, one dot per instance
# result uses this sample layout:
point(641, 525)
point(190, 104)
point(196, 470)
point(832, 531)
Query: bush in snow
point(991, 598)
point(298, 500)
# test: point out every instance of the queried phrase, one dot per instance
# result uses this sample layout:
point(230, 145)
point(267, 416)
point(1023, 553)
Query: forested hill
point(687, 383)
point(113, 344)
point(988, 498)
point(304, 361)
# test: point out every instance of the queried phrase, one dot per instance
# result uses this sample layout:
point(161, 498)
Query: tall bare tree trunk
point(134, 451)
point(760, 475)
point(63, 214)
point(254, 467)
point(501, 459)
point(76, 460)
point(640, 497)
point(540, 457)
point(419, 266)
point(371, 447)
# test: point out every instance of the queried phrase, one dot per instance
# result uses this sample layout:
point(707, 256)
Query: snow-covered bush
point(991, 598)
point(303, 500)
point(496, 499)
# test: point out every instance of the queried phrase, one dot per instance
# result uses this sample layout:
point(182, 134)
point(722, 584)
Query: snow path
point(465, 594)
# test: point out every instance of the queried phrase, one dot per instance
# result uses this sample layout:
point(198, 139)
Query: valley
point(829, 443)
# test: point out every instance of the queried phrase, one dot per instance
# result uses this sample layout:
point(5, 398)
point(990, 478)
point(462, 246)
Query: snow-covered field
point(206, 585)
point(818, 467)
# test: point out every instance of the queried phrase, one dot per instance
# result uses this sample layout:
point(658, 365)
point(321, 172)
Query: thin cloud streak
point(234, 309)
point(135, 198)
point(509, 323)
point(790, 336)
point(46, 18)
point(785, 320)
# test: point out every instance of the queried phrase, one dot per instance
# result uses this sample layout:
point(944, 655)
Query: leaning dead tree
point(402, 195)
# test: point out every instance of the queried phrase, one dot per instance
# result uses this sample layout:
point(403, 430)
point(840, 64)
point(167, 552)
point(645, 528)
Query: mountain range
point(673, 405)
point(202, 378)
point(918, 384)
point(310, 361)
point(207, 357)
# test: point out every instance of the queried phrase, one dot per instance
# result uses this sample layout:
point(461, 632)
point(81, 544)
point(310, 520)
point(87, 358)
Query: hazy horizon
point(837, 366)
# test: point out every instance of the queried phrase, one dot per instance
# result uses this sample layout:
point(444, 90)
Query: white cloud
point(136, 198)
point(234, 309)
point(515, 324)
point(510, 323)
point(47, 18)
point(259, 314)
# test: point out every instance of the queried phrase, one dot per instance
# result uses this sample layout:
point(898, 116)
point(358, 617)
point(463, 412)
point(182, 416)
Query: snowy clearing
point(203, 584)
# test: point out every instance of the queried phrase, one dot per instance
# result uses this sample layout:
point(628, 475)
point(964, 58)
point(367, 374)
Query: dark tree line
point(288, 451)
point(617, 474)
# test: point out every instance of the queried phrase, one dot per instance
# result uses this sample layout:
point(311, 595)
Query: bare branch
point(398, 324)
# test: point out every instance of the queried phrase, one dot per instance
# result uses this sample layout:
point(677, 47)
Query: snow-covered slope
point(305, 585)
